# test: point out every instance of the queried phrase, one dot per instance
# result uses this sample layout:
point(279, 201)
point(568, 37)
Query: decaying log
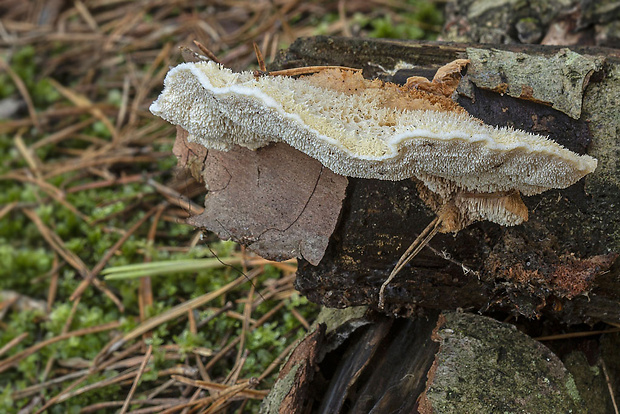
point(444, 363)
point(567, 22)
point(559, 263)
point(559, 266)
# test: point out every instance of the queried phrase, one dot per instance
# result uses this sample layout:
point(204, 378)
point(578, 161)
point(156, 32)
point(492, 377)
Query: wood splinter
point(418, 244)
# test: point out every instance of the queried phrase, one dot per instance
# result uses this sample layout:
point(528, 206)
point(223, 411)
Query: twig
point(276, 362)
point(259, 57)
point(228, 306)
point(7, 208)
point(179, 310)
point(575, 335)
point(108, 255)
point(217, 388)
point(307, 70)
point(54, 275)
point(29, 156)
point(418, 244)
point(23, 90)
point(83, 102)
point(207, 52)
point(14, 359)
point(145, 296)
point(57, 244)
point(301, 319)
point(13, 342)
point(247, 315)
point(176, 198)
point(33, 389)
point(609, 385)
point(134, 386)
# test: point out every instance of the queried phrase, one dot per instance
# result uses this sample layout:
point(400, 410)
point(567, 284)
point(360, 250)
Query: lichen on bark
point(485, 366)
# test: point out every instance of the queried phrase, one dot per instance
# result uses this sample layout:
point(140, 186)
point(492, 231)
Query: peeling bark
point(277, 201)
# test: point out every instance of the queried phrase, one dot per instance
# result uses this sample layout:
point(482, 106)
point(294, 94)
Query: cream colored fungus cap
point(352, 126)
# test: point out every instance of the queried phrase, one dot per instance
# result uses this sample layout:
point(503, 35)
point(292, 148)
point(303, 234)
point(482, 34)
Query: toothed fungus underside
point(371, 129)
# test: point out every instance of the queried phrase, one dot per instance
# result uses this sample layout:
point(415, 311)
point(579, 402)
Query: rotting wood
point(559, 263)
point(566, 22)
point(572, 229)
point(292, 392)
point(451, 362)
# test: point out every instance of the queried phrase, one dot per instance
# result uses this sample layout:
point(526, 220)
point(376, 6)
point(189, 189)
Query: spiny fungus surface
point(371, 129)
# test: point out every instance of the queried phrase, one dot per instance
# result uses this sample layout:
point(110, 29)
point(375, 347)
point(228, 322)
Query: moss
point(335, 318)
point(484, 366)
point(588, 380)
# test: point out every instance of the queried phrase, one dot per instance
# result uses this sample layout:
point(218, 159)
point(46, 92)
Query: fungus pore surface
point(371, 129)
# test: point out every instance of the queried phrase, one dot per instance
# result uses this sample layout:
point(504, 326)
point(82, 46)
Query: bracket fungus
point(466, 171)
